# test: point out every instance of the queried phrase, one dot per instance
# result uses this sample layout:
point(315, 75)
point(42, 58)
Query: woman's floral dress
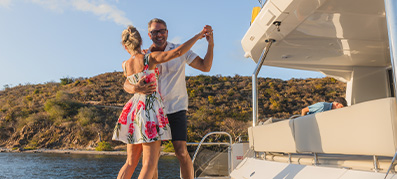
point(142, 119)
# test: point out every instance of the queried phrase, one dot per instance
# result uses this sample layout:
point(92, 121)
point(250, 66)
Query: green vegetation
point(32, 145)
point(65, 81)
point(168, 147)
point(104, 146)
point(88, 115)
point(78, 112)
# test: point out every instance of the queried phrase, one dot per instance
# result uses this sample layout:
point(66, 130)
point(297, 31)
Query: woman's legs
point(156, 170)
point(150, 159)
point(133, 154)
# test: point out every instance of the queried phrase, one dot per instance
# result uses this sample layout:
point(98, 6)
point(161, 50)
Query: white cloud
point(103, 10)
point(99, 8)
point(5, 3)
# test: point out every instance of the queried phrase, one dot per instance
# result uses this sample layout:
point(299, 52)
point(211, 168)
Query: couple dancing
point(146, 120)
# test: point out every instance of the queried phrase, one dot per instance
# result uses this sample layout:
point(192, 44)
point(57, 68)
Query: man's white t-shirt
point(172, 83)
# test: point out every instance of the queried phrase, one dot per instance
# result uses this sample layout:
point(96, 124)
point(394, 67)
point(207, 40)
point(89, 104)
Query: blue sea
point(46, 165)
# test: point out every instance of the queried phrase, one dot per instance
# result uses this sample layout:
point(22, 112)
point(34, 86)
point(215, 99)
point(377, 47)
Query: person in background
point(339, 102)
point(143, 124)
point(172, 86)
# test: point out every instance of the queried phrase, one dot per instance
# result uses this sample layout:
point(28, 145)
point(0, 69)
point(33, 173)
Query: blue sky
point(45, 40)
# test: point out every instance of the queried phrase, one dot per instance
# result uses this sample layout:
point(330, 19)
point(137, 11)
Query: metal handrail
point(390, 9)
point(208, 143)
point(391, 165)
point(255, 81)
point(230, 162)
point(262, 3)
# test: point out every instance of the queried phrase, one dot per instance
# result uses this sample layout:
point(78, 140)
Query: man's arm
point(305, 111)
point(206, 63)
point(140, 87)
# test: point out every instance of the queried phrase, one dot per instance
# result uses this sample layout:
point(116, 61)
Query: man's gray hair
point(156, 20)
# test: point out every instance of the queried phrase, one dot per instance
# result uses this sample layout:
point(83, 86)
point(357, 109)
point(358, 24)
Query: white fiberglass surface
point(329, 33)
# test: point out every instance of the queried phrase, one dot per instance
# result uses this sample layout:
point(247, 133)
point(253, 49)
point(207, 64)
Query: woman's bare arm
point(161, 57)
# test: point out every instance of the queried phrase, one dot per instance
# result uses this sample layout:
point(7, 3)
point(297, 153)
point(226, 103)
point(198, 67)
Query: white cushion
point(276, 137)
point(366, 128)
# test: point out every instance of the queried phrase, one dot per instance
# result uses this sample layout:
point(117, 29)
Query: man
point(172, 87)
point(339, 102)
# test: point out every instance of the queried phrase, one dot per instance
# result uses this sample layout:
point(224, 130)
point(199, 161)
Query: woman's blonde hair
point(131, 39)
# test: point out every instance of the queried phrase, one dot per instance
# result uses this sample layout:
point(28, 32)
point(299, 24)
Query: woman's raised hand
point(207, 29)
point(209, 35)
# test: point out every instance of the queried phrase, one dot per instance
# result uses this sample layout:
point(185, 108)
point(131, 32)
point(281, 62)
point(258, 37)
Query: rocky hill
point(78, 113)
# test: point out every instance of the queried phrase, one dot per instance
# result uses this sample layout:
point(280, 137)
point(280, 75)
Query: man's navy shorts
point(178, 124)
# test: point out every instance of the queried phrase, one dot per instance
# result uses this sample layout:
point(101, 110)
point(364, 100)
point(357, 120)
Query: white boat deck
point(261, 169)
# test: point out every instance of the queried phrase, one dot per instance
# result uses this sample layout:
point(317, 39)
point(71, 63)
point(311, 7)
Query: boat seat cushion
point(367, 128)
point(275, 137)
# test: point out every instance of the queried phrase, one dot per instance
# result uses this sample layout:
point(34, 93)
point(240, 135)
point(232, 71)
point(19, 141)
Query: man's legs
point(178, 124)
point(184, 159)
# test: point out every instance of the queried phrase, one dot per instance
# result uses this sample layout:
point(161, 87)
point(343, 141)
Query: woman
point(142, 124)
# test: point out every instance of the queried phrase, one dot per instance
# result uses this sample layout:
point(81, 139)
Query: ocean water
point(45, 165)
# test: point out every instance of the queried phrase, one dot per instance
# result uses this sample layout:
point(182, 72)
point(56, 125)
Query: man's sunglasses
point(161, 31)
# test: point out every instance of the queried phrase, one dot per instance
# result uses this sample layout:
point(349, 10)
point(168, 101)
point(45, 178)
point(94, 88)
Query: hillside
point(78, 113)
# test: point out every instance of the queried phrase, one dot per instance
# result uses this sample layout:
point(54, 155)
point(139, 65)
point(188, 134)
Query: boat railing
point(207, 143)
point(255, 81)
point(390, 10)
point(229, 145)
point(262, 3)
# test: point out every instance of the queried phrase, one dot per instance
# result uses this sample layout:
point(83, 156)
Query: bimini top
point(329, 36)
